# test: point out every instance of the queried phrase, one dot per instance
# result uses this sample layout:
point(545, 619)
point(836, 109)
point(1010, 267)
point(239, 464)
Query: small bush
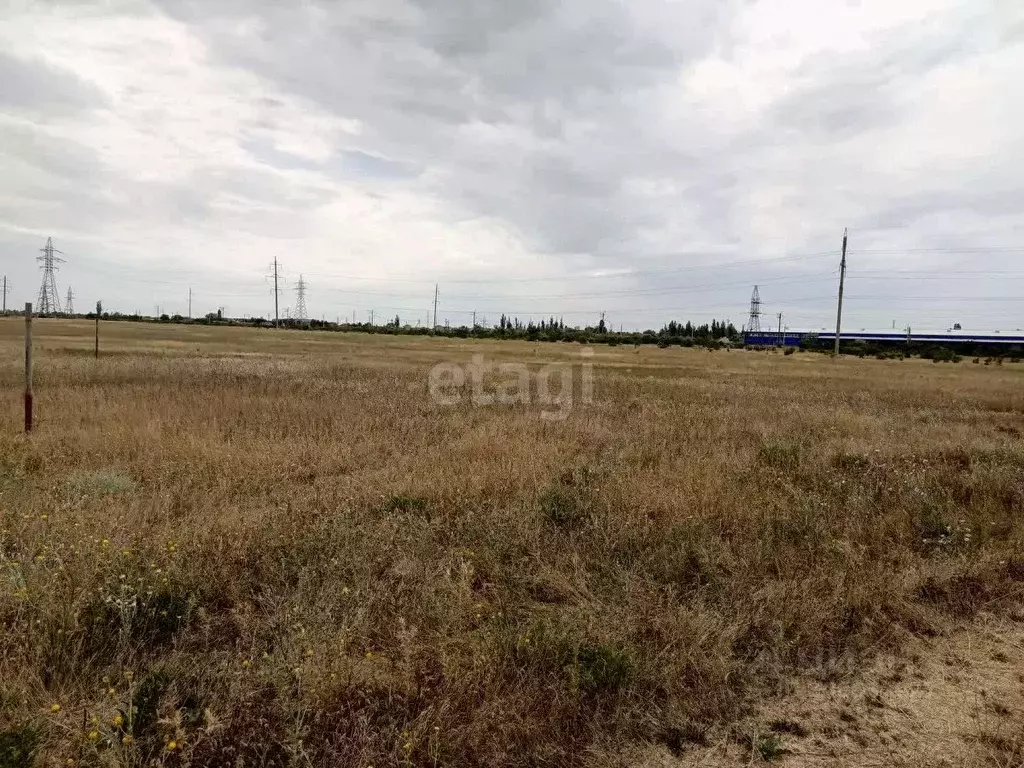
point(789, 351)
point(601, 668)
point(568, 503)
point(142, 621)
point(18, 747)
point(768, 747)
point(563, 507)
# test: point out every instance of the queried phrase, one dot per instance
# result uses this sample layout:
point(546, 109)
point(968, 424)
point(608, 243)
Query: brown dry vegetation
point(265, 548)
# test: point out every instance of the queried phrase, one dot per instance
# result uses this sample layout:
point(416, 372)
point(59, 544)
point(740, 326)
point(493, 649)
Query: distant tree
point(956, 327)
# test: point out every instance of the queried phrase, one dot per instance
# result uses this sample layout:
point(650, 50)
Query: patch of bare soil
point(954, 701)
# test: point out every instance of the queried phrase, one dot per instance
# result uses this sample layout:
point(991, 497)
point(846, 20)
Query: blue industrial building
point(795, 338)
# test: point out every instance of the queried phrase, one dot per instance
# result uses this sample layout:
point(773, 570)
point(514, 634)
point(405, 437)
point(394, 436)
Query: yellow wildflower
point(172, 745)
point(94, 735)
point(55, 708)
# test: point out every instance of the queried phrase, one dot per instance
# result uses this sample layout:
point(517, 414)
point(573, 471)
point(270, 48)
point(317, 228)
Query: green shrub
point(601, 668)
point(18, 747)
point(563, 507)
point(768, 747)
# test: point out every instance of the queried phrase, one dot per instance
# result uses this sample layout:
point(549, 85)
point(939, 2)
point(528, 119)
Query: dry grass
point(274, 549)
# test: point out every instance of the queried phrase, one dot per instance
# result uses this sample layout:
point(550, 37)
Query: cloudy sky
point(650, 159)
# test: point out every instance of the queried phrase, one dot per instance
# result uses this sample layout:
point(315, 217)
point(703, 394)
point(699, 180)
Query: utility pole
point(435, 306)
point(190, 302)
point(371, 317)
point(99, 311)
point(474, 319)
point(842, 282)
point(28, 366)
point(5, 293)
point(277, 295)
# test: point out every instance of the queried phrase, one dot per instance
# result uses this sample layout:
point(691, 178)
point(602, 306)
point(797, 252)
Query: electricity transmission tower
point(69, 303)
point(300, 299)
point(5, 293)
point(754, 321)
point(49, 299)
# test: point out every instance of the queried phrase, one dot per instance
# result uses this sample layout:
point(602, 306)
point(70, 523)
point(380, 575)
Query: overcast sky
point(650, 159)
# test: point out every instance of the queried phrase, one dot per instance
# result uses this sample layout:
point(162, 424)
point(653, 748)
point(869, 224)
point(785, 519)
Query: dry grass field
point(234, 547)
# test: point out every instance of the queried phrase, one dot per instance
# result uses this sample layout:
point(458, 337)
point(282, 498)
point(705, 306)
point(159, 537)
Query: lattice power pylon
point(69, 303)
point(49, 298)
point(754, 321)
point(300, 299)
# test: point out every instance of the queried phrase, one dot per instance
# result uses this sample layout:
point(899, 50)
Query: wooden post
point(99, 309)
point(28, 366)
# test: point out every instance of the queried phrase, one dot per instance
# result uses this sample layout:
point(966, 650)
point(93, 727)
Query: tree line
point(508, 327)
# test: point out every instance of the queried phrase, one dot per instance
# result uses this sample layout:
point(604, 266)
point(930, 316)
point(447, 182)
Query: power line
point(673, 289)
point(617, 274)
point(975, 249)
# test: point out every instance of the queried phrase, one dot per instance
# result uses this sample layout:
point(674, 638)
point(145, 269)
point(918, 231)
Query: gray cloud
point(32, 86)
point(547, 138)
